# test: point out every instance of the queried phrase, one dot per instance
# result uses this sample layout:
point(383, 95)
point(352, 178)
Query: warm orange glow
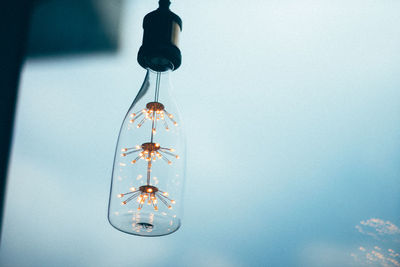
point(149, 151)
point(149, 194)
point(154, 111)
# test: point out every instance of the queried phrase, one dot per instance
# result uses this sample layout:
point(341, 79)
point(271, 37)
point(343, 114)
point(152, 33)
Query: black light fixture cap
point(159, 50)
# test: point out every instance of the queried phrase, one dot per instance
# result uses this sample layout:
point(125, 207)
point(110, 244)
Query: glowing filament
point(150, 193)
point(154, 112)
point(150, 152)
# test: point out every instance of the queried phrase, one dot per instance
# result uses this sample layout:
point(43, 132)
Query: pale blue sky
point(292, 114)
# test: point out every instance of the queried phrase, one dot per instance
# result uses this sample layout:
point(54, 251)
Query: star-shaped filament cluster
point(154, 112)
point(150, 151)
point(147, 194)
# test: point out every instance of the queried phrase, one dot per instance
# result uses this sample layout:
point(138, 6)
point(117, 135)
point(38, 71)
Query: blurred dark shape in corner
point(44, 28)
point(65, 27)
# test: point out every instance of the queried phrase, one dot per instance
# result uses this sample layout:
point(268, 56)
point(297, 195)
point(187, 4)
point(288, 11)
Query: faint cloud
point(377, 256)
point(386, 235)
point(379, 229)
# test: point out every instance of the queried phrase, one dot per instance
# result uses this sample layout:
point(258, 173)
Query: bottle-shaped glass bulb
point(149, 164)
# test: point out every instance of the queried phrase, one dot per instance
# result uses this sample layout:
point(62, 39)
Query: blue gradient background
point(292, 117)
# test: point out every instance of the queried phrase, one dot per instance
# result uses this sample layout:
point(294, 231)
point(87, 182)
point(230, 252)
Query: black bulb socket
point(159, 50)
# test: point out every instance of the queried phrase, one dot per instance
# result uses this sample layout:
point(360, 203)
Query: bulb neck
point(158, 82)
point(166, 71)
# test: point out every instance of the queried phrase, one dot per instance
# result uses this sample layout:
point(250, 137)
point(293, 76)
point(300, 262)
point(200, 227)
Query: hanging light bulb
point(149, 165)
